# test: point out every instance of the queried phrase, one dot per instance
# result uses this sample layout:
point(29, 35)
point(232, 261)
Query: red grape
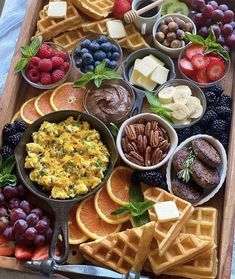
point(2, 198)
point(9, 234)
point(233, 24)
point(198, 4)
point(199, 19)
point(227, 29)
point(227, 48)
point(19, 237)
point(203, 31)
point(216, 29)
point(42, 226)
point(17, 213)
point(230, 40)
point(223, 7)
point(221, 40)
point(214, 4)
point(3, 211)
point(26, 206)
point(20, 226)
point(10, 192)
point(217, 15)
point(30, 233)
point(39, 240)
point(228, 16)
point(37, 211)
point(32, 219)
point(207, 11)
point(21, 190)
point(14, 203)
point(4, 222)
point(47, 219)
point(192, 13)
point(48, 234)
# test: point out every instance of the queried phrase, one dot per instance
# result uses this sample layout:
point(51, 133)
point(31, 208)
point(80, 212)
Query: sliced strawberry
point(42, 253)
point(23, 253)
point(214, 57)
point(200, 61)
point(215, 70)
point(186, 67)
point(194, 49)
point(202, 76)
point(7, 248)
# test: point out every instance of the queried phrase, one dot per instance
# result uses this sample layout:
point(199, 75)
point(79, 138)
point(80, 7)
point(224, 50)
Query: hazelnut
point(188, 27)
point(180, 22)
point(172, 26)
point(169, 19)
point(180, 34)
point(166, 43)
point(160, 36)
point(176, 44)
point(183, 43)
point(163, 22)
point(171, 36)
point(163, 28)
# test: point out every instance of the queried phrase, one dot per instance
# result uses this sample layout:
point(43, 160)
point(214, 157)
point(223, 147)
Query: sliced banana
point(181, 122)
point(166, 95)
point(192, 104)
point(180, 111)
point(184, 88)
point(168, 105)
point(198, 111)
point(181, 94)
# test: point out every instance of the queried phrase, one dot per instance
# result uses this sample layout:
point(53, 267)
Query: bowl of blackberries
point(93, 49)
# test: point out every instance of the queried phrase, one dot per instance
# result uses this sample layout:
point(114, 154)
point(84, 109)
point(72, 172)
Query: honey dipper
point(132, 15)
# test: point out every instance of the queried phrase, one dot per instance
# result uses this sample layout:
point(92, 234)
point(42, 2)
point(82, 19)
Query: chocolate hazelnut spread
point(110, 103)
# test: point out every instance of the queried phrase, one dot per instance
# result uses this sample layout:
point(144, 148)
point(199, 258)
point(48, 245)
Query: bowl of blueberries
point(93, 49)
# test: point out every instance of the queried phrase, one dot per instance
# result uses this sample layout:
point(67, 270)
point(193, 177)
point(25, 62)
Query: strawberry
point(200, 61)
point(120, 7)
point(215, 70)
point(186, 67)
point(42, 253)
point(23, 253)
point(6, 247)
point(202, 76)
point(194, 49)
point(214, 57)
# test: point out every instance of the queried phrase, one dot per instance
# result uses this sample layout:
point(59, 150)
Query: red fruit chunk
point(186, 67)
point(57, 75)
point(200, 61)
point(63, 55)
point(45, 65)
point(6, 247)
point(34, 75)
point(45, 78)
point(215, 70)
point(120, 7)
point(66, 67)
point(194, 49)
point(42, 253)
point(23, 253)
point(57, 62)
point(34, 62)
point(202, 76)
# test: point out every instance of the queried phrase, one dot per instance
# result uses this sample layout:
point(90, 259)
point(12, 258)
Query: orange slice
point(67, 97)
point(28, 112)
point(90, 222)
point(76, 236)
point(118, 185)
point(104, 206)
point(42, 103)
point(16, 116)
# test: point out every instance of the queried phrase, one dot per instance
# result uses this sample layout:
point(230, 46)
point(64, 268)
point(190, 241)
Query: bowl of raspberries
point(49, 67)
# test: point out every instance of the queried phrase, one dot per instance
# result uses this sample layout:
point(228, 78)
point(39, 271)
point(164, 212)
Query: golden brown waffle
point(96, 9)
point(166, 233)
point(186, 247)
point(203, 224)
point(123, 251)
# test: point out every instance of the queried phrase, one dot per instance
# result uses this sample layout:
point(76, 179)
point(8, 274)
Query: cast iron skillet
point(61, 208)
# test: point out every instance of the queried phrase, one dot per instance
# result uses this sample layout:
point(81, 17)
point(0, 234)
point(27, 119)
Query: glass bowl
point(95, 37)
point(55, 47)
point(196, 92)
point(202, 85)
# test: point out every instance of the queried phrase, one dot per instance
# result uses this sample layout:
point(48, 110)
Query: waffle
point(96, 9)
point(186, 247)
point(166, 233)
point(123, 251)
point(203, 224)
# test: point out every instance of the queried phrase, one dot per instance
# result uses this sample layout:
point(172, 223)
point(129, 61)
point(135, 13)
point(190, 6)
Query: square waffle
point(203, 224)
point(123, 251)
point(166, 233)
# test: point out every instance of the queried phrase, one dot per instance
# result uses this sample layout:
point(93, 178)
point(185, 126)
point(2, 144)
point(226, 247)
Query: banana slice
point(198, 111)
point(181, 94)
point(192, 104)
point(184, 88)
point(168, 105)
point(180, 111)
point(182, 122)
point(166, 95)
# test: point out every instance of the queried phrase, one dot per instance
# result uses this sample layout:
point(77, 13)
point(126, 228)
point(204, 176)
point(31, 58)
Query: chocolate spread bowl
point(112, 102)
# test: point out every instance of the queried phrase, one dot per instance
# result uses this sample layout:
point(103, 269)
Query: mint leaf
point(135, 194)
point(109, 74)
point(113, 129)
point(25, 50)
point(100, 68)
point(211, 38)
point(219, 50)
point(144, 206)
point(141, 220)
point(196, 39)
point(122, 210)
point(21, 64)
point(35, 45)
point(8, 165)
point(152, 99)
point(82, 82)
point(98, 81)
point(8, 178)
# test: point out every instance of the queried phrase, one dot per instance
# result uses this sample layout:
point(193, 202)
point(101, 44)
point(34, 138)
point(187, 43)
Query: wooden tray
point(17, 91)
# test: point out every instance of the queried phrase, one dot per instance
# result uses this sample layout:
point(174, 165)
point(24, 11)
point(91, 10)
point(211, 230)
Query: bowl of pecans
point(146, 141)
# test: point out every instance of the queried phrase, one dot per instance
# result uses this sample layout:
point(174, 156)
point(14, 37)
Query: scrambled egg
point(67, 158)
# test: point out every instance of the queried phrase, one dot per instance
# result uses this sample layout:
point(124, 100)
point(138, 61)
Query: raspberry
point(66, 66)
point(34, 75)
point(63, 55)
point(45, 78)
point(57, 62)
point(45, 51)
point(57, 75)
point(34, 62)
point(45, 65)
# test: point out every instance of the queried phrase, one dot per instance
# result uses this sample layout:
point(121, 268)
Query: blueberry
point(106, 46)
point(94, 46)
point(99, 55)
point(77, 52)
point(84, 50)
point(109, 55)
point(85, 43)
point(112, 64)
point(102, 39)
point(87, 59)
point(78, 63)
point(89, 68)
point(115, 55)
point(114, 48)
point(106, 60)
point(97, 63)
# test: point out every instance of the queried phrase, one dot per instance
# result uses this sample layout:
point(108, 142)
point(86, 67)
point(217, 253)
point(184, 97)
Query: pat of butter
point(135, 74)
point(166, 211)
point(146, 66)
point(57, 9)
point(116, 29)
point(158, 61)
point(160, 74)
point(146, 83)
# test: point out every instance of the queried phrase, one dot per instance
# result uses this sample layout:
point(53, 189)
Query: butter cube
point(57, 9)
point(158, 61)
point(146, 66)
point(146, 83)
point(116, 29)
point(135, 74)
point(160, 74)
point(166, 211)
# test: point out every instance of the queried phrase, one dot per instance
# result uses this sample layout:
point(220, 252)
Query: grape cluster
point(19, 221)
point(217, 17)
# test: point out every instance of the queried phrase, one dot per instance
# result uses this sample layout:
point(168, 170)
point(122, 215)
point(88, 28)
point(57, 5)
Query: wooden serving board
point(17, 91)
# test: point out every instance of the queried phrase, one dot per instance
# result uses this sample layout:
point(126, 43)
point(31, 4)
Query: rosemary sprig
point(186, 172)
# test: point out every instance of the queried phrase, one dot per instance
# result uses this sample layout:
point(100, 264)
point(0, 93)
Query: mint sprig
point(210, 44)
point(101, 73)
point(28, 52)
point(6, 168)
point(113, 129)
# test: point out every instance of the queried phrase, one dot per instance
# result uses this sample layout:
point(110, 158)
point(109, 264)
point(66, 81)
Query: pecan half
point(124, 145)
point(130, 148)
point(154, 138)
point(147, 129)
point(130, 132)
point(140, 144)
point(147, 156)
point(154, 125)
point(141, 121)
point(139, 129)
point(164, 145)
point(156, 157)
point(135, 158)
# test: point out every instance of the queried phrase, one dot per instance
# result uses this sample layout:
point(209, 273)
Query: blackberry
point(6, 152)
point(183, 134)
point(225, 101)
point(153, 178)
point(20, 125)
point(223, 112)
point(218, 126)
point(211, 98)
point(217, 89)
point(8, 130)
point(208, 118)
point(196, 130)
point(224, 139)
point(14, 140)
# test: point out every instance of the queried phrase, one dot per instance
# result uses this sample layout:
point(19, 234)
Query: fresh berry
point(196, 130)
point(106, 47)
point(45, 65)
point(94, 46)
point(63, 55)
point(224, 139)
point(41, 253)
point(217, 89)
point(102, 39)
point(208, 118)
point(193, 50)
point(45, 51)
point(9, 193)
point(45, 78)
point(20, 125)
point(9, 130)
point(115, 55)
point(85, 44)
point(66, 66)
point(218, 126)
point(14, 140)
point(211, 98)
point(215, 70)
point(183, 134)
point(225, 101)
point(201, 76)
point(57, 62)
point(120, 7)
point(99, 55)
point(34, 75)
point(112, 64)
point(57, 75)
point(186, 67)
point(153, 178)
point(23, 253)
point(34, 62)
point(6, 152)
point(200, 61)
point(6, 247)
point(223, 112)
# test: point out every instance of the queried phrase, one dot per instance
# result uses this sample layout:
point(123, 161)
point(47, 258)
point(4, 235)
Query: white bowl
point(149, 117)
point(172, 52)
point(222, 168)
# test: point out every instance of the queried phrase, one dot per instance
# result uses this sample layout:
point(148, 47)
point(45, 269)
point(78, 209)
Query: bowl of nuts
point(146, 141)
point(169, 33)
